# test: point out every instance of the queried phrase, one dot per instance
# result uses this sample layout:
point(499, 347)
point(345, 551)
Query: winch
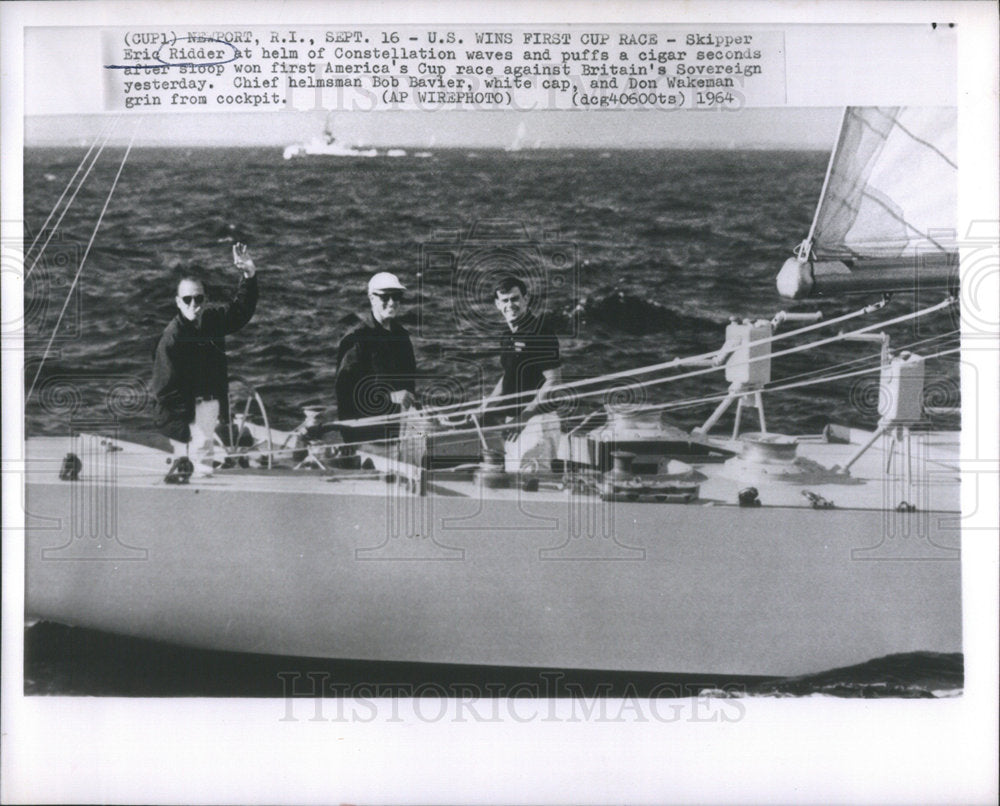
point(643, 434)
point(768, 456)
point(677, 483)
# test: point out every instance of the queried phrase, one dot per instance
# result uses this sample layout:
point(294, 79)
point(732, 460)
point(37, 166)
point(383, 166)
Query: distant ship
point(318, 147)
point(329, 146)
point(430, 144)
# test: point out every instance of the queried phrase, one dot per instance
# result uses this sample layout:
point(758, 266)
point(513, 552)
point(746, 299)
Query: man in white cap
point(376, 369)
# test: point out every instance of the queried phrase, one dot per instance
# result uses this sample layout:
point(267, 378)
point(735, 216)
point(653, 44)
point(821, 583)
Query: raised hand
point(243, 260)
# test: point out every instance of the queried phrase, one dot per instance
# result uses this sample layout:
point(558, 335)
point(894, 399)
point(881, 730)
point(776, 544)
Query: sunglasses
point(197, 298)
point(387, 295)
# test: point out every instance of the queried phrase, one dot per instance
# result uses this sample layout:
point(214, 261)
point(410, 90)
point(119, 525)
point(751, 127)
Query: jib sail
point(887, 214)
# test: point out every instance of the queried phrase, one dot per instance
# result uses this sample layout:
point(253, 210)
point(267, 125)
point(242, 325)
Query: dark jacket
point(524, 357)
point(190, 361)
point(371, 363)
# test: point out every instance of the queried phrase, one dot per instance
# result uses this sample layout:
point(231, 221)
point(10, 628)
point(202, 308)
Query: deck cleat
point(180, 471)
point(71, 467)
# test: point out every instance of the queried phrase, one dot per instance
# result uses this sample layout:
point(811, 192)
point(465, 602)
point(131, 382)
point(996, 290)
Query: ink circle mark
point(195, 61)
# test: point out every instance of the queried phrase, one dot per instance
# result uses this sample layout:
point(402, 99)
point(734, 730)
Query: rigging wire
point(672, 364)
point(790, 382)
point(104, 130)
point(784, 385)
point(456, 408)
point(83, 260)
point(659, 407)
point(107, 133)
point(680, 362)
point(909, 346)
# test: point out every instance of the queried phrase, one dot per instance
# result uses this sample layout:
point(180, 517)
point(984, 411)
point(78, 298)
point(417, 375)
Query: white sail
point(889, 200)
point(892, 186)
point(518, 143)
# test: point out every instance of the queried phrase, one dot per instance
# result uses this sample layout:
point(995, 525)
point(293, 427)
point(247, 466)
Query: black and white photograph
point(523, 383)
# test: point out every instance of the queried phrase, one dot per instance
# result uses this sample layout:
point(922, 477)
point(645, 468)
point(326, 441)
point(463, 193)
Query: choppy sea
point(637, 256)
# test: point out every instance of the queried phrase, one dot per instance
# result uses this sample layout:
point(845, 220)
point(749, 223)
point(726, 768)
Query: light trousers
point(201, 448)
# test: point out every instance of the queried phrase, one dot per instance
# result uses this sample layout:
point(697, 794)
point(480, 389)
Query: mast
point(805, 248)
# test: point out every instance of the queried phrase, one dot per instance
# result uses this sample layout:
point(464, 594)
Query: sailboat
point(634, 546)
point(519, 137)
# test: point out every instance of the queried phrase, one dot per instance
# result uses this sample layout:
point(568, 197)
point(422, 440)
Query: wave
point(629, 312)
point(661, 264)
point(676, 229)
point(911, 675)
point(216, 229)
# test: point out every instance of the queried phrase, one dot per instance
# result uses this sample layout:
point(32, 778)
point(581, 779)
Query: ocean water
point(638, 257)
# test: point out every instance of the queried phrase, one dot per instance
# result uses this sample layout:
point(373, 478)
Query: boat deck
point(290, 563)
point(868, 485)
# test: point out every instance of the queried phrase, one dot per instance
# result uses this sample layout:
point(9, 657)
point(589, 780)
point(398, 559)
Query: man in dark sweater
point(376, 369)
point(190, 375)
point(529, 356)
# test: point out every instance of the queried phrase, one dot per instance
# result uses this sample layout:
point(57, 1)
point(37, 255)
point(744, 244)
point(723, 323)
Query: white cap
point(385, 281)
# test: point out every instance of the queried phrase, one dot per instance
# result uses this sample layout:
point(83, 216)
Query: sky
point(749, 128)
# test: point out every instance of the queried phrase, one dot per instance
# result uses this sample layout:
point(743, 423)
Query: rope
point(788, 383)
point(672, 364)
point(474, 405)
point(692, 402)
point(910, 346)
point(851, 374)
point(93, 162)
point(83, 260)
point(797, 349)
point(673, 405)
point(658, 407)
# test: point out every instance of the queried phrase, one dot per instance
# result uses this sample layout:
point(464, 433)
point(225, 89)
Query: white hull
point(290, 563)
point(320, 148)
